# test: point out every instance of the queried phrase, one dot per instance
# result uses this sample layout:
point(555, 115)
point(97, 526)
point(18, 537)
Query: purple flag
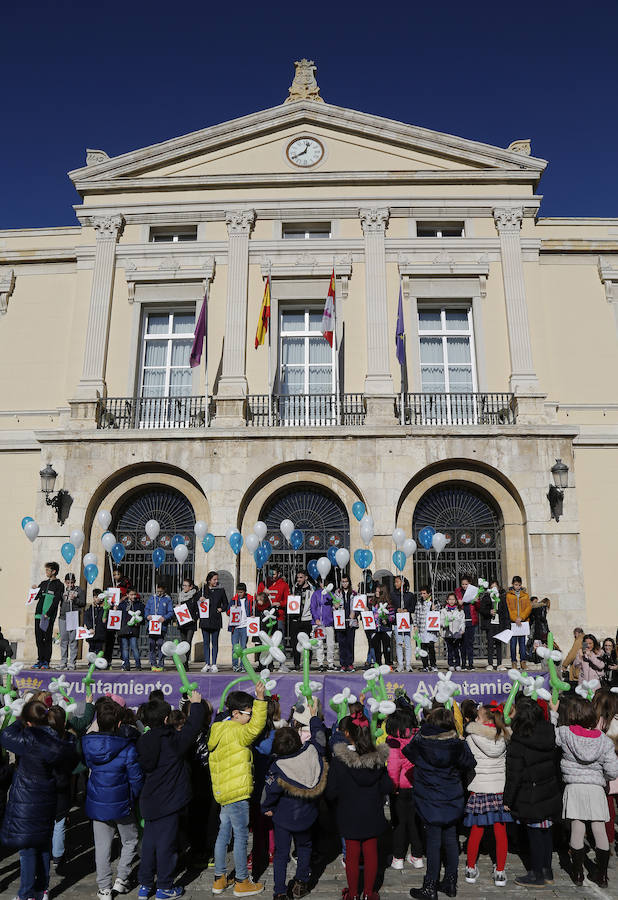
point(399, 332)
point(198, 338)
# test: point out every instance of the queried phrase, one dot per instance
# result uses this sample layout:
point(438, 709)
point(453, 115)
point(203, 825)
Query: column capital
point(508, 218)
point(108, 228)
point(240, 221)
point(7, 286)
point(374, 218)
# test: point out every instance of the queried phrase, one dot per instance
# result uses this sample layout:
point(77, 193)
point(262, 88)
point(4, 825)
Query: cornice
point(52, 254)
point(578, 245)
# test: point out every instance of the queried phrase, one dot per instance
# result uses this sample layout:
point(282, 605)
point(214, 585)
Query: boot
point(448, 885)
point(602, 863)
point(426, 892)
point(577, 866)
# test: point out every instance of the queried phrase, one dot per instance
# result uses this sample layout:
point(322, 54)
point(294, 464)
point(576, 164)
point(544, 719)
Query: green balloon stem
point(509, 703)
point(557, 684)
point(229, 688)
point(88, 678)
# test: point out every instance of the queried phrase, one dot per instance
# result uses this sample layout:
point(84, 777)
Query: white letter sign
point(293, 605)
point(403, 622)
point(339, 618)
point(203, 605)
point(182, 614)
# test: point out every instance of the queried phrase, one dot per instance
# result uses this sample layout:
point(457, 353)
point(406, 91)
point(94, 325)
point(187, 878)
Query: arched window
point(473, 530)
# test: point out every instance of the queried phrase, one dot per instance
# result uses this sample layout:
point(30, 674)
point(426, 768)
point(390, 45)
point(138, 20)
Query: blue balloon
point(332, 555)
point(258, 556)
point(297, 539)
point(236, 542)
point(209, 542)
point(363, 558)
point(312, 568)
point(267, 549)
point(177, 539)
point(425, 536)
point(399, 559)
point(118, 552)
point(91, 573)
point(68, 552)
point(158, 557)
point(25, 521)
point(358, 509)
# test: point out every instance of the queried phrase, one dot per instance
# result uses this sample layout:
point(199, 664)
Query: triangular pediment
point(256, 145)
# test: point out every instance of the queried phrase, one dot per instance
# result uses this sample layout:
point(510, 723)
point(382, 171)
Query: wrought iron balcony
point(263, 411)
point(456, 409)
point(153, 412)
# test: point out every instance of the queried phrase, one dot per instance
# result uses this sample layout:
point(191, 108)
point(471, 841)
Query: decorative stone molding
point(304, 86)
point(168, 270)
point(108, 228)
point(508, 218)
point(240, 221)
point(523, 146)
point(94, 157)
point(374, 219)
point(7, 286)
point(608, 274)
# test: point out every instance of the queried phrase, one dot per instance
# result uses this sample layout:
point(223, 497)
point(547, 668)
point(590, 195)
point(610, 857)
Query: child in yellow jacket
point(231, 770)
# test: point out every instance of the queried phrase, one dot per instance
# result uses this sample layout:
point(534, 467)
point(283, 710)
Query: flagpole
point(336, 345)
point(270, 325)
point(207, 416)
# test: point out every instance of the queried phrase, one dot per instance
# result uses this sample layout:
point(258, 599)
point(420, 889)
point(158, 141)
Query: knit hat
point(117, 699)
point(302, 714)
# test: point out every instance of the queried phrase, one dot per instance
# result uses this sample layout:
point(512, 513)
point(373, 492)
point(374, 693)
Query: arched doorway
point(175, 515)
point(318, 513)
point(474, 532)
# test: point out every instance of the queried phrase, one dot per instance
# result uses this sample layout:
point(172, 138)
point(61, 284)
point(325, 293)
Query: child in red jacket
point(401, 728)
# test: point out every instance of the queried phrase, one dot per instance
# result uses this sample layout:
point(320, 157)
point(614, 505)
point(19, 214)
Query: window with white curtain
point(306, 360)
point(166, 345)
point(446, 340)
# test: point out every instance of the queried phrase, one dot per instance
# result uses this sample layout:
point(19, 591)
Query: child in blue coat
point(294, 783)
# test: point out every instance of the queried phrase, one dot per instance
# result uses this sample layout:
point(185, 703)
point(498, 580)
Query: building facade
point(511, 356)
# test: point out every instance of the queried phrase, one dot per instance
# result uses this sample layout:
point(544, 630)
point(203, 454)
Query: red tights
point(609, 826)
point(352, 864)
point(502, 846)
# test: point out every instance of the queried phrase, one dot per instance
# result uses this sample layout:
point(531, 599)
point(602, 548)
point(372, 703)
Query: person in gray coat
point(73, 599)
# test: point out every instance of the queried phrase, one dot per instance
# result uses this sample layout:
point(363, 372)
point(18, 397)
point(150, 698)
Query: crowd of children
point(194, 784)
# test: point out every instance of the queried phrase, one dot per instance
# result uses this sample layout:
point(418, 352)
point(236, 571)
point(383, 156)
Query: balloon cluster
point(406, 547)
point(430, 539)
point(421, 701)
point(553, 656)
point(30, 528)
point(531, 687)
point(293, 536)
point(255, 543)
point(340, 703)
point(446, 690)
point(58, 688)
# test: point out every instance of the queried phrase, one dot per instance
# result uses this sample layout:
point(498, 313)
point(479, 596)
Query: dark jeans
point(440, 838)
point(34, 874)
point(453, 651)
point(211, 641)
point(345, 640)
point(491, 644)
point(159, 854)
point(430, 659)
point(44, 641)
point(541, 847)
point(95, 646)
point(381, 643)
point(155, 653)
point(128, 646)
point(110, 641)
point(521, 642)
point(468, 644)
point(296, 626)
point(283, 842)
point(405, 832)
point(187, 634)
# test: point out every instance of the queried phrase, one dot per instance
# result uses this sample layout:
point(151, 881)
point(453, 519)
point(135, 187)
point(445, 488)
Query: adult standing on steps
point(47, 602)
point(302, 620)
point(73, 599)
point(520, 607)
point(212, 624)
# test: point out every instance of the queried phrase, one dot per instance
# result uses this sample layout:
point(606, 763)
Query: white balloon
point(77, 538)
point(409, 547)
point(104, 518)
point(399, 537)
point(252, 542)
point(324, 566)
point(230, 532)
point(181, 551)
point(286, 528)
point(31, 530)
point(108, 540)
point(90, 559)
point(201, 530)
point(342, 557)
point(152, 529)
point(366, 532)
point(438, 542)
point(260, 529)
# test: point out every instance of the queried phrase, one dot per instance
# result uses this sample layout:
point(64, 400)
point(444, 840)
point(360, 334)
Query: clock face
point(305, 152)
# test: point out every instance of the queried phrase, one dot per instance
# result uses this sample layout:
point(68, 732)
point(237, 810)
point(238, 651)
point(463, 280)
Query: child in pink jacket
point(400, 729)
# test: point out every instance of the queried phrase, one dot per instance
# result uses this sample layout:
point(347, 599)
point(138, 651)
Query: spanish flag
point(264, 319)
point(328, 316)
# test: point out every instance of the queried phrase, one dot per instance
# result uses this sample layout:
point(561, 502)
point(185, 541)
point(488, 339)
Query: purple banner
point(135, 688)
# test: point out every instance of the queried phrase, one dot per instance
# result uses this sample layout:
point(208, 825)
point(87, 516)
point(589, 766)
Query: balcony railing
point(263, 411)
point(456, 409)
point(153, 412)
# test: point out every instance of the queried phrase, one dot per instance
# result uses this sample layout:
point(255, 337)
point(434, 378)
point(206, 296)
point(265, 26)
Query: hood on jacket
point(486, 739)
point(304, 774)
point(365, 768)
point(102, 748)
point(586, 749)
point(542, 738)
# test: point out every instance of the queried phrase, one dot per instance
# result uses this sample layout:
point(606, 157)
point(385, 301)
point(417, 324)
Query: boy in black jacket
point(166, 792)
point(294, 783)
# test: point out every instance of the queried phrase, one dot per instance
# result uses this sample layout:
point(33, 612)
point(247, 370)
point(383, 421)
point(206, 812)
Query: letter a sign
point(403, 622)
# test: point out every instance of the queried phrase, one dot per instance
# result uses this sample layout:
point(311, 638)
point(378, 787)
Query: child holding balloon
point(159, 609)
point(47, 602)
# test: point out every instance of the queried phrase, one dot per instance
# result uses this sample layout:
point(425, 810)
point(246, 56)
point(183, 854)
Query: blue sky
point(122, 76)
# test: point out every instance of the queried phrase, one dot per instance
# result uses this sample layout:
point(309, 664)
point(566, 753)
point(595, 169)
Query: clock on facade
point(305, 151)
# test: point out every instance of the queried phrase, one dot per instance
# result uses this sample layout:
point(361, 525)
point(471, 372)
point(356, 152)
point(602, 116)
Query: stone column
point(232, 388)
point(92, 382)
point(523, 377)
point(379, 391)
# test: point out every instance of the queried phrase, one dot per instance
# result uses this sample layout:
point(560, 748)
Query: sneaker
point(61, 667)
point(211, 862)
point(221, 883)
point(548, 876)
point(458, 668)
point(499, 878)
point(299, 889)
point(351, 669)
point(144, 892)
point(105, 894)
point(531, 879)
point(397, 863)
point(502, 668)
point(36, 665)
point(415, 861)
point(331, 667)
point(247, 888)
point(451, 668)
point(206, 668)
point(71, 667)
point(472, 874)
point(400, 669)
point(495, 668)
point(170, 893)
point(489, 668)
point(214, 670)
point(121, 886)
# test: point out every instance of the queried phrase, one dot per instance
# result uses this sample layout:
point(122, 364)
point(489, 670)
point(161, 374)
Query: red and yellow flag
point(264, 320)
